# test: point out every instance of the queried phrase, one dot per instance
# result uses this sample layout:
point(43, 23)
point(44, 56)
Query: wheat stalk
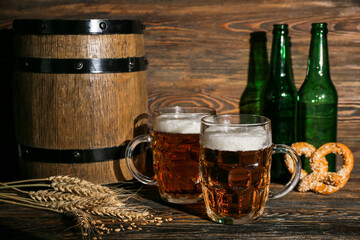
point(51, 196)
point(80, 204)
point(82, 200)
point(117, 212)
point(72, 188)
point(17, 200)
point(82, 219)
point(82, 184)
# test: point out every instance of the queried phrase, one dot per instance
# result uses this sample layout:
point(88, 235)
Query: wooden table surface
point(199, 53)
point(295, 216)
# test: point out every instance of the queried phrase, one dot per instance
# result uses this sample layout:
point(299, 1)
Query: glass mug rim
point(183, 109)
point(189, 114)
point(214, 130)
point(213, 120)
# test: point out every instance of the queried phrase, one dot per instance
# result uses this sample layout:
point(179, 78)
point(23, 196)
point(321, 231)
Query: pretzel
point(320, 180)
point(318, 166)
point(332, 182)
point(301, 148)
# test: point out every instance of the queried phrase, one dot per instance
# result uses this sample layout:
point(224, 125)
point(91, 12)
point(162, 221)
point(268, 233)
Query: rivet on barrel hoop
point(78, 65)
point(82, 142)
point(76, 155)
point(43, 26)
point(102, 26)
point(131, 65)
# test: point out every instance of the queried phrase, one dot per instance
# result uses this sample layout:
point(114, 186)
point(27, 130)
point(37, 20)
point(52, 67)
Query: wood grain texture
point(79, 46)
point(199, 50)
point(97, 172)
point(78, 111)
point(198, 53)
point(294, 216)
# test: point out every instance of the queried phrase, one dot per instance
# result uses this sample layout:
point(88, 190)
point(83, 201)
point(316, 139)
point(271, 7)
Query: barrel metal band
point(77, 27)
point(75, 65)
point(71, 155)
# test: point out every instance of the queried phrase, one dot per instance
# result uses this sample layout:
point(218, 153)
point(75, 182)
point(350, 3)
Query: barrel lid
point(77, 27)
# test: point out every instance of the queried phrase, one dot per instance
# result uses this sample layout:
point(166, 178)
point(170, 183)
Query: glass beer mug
point(175, 146)
point(235, 163)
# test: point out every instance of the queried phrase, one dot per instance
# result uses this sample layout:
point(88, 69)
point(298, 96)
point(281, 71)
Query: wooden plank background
point(199, 50)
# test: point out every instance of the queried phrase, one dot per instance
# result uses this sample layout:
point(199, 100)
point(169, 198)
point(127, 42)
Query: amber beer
point(176, 156)
point(235, 164)
point(236, 177)
point(176, 148)
point(177, 164)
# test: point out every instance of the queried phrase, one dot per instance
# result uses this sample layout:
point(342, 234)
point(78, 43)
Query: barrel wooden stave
point(89, 111)
point(99, 172)
point(80, 46)
point(67, 111)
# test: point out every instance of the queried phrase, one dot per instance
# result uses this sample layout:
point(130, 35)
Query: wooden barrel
point(79, 96)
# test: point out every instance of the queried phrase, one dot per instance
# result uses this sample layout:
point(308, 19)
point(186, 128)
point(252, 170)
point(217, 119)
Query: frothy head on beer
point(236, 133)
point(240, 140)
point(184, 123)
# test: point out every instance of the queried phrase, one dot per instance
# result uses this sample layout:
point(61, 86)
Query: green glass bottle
point(257, 74)
point(279, 99)
point(318, 98)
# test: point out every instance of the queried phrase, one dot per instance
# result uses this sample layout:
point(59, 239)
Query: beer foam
point(237, 140)
point(184, 123)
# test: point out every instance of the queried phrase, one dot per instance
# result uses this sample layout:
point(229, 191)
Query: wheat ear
point(82, 183)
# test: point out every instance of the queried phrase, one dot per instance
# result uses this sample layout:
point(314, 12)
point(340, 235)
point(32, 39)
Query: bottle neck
point(318, 62)
point(258, 63)
point(280, 64)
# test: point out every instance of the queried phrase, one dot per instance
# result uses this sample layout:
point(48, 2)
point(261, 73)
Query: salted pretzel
point(318, 166)
point(332, 182)
point(320, 180)
point(301, 148)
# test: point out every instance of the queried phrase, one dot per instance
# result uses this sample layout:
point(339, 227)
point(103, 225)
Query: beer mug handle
point(130, 162)
point(280, 148)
